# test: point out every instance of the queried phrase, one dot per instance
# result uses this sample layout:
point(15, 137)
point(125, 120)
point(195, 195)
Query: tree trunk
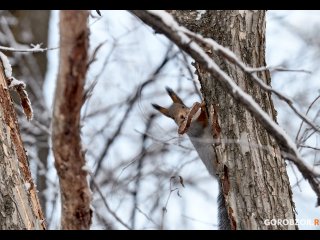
point(69, 97)
point(32, 27)
point(37, 23)
point(252, 172)
point(19, 204)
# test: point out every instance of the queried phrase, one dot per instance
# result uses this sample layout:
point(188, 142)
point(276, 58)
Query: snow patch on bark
point(199, 14)
point(6, 65)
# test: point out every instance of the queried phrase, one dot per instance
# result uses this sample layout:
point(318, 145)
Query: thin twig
point(107, 205)
point(147, 217)
point(310, 106)
point(278, 69)
point(34, 49)
point(139, 171)
point(130, 105)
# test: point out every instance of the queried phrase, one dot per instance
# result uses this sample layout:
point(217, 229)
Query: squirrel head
point(178, 111)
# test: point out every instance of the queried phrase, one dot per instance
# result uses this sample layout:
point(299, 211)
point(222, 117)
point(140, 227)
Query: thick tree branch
point(230, 56)
point(164, 23)
point(69, 156)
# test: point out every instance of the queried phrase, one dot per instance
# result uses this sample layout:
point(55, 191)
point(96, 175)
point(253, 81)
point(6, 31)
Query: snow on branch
point(164, 23)
point(230, 56)
point(278, 69)
point(34, 48)
point(18, 86)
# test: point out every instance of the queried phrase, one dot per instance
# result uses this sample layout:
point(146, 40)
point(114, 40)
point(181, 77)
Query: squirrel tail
point(223, 218)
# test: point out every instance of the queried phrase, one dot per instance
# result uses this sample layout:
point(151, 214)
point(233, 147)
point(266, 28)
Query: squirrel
point(195, 122)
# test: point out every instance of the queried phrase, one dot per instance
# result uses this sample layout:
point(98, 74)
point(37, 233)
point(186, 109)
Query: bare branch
point(234, 59)
point(107, 205)
point(131, 102)
point(34, 49)
point(310, 106)
point(278, 69)
point(139, 170)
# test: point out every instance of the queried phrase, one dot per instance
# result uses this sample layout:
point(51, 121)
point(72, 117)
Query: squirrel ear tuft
point(156, 106)
point(175, 98)
point(163, 110)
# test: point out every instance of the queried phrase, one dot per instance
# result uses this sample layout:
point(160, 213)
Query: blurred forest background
point(135, 154)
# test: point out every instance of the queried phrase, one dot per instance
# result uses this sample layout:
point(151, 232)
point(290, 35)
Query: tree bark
point(37, 23)
point(19, 204)
point(32, 27)
point(69, 97)
point(252, 172)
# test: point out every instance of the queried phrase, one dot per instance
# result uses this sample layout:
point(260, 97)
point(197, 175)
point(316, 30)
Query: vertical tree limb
point(69, 157)
point(19, 203)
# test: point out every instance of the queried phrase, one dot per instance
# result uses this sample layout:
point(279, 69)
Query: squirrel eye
point(181, 117)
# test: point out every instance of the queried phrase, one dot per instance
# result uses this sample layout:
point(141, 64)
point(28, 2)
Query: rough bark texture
point(32, 27)
point(252, 172)
point(69, 157)
point(19, 204)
